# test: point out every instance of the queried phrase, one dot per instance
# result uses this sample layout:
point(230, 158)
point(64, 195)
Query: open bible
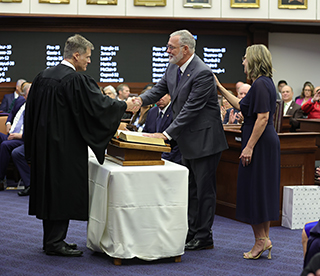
point(137, 137)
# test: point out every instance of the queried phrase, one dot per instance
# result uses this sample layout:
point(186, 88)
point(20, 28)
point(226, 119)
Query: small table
point(137, 211)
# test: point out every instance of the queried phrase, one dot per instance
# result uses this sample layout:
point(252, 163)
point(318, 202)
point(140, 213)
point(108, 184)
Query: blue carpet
point(21, 250)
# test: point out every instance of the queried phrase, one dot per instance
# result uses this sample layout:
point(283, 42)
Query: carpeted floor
point(21, 250)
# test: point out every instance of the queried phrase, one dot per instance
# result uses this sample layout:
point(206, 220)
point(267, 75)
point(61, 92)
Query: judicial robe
point(65, 114)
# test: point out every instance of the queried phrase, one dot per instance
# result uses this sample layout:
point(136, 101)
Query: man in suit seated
point(22, 165)
point(158, 119)
point(14, 138)
point(233, 115)
point(291, 107)
point(123, 92)
point(9, 99)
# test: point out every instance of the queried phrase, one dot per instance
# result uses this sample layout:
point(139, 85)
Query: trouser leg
point(54, 234)
point(202, 195)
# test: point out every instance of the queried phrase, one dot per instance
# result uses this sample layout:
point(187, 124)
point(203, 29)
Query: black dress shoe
point(65, 251)
point(71, 245)
point(3, 184)
point(24, 192)
point(197, 244)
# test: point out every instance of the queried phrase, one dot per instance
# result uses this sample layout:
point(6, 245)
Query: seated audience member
point(15, 129)
point(9, 99)
point(224, 107)
point(313, 267)
point(306, 94)
point(291, 108)
point(23, 168)
point(148, 86)
point(123, 92)
point(306, 234)
point(317, 174)
point(312, 107)
point(281, 83)
point(233, 115)
point(110, 91)
point(139, 118)
point(158, 120)
point(313, 245)
point(238, 85)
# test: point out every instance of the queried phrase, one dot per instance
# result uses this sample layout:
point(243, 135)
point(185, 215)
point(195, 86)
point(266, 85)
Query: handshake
point(133, 104)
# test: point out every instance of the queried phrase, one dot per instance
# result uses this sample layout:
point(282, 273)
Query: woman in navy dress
point(258, 186)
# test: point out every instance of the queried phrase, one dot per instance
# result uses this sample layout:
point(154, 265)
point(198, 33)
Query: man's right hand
point(133, 104)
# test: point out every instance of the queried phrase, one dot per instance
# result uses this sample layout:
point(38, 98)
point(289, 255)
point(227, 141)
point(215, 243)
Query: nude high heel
point(249, 254)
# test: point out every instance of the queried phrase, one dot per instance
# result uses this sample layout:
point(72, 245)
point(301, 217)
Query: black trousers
point(202, 195)
point(54, 233)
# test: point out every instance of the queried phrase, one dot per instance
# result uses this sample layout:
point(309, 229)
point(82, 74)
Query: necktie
point(19, 124)
point(158, 121)
point(178, 75)
point(11, 105)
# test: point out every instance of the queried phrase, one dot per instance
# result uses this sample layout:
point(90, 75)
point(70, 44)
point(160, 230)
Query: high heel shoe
point(249, 254)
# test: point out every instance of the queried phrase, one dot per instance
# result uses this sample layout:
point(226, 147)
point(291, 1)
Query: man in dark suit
point(196, 127)
point(15, 129)
point(9, 99)
point(158, 119)
point(291, 107)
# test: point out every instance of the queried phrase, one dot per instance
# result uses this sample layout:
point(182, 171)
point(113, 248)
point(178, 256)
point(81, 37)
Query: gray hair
point(186, 38)
point(76, 44)
point(111, 88)
point(20, 82)
point(24, 88)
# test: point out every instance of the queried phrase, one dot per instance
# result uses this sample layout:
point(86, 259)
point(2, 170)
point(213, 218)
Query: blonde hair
point(259, 61)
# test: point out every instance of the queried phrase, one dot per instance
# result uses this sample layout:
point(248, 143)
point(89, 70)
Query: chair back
point(278, 116)
point(3, 127)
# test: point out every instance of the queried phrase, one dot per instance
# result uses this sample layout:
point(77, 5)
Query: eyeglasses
point(172, 47)
point(244, 58)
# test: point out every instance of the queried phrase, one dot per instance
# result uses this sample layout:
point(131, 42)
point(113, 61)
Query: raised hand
point(232, 116)
point(316, 97)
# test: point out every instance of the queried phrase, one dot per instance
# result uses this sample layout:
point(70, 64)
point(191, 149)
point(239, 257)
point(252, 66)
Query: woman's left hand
point(246, 156)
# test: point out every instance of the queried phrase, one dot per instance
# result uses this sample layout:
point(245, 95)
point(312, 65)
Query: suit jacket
point(296, 112)
point(196, 124)
point(150, 127)
point(6, 102)
point(18, 103)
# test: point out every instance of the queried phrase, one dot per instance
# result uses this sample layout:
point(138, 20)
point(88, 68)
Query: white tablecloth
point(137, 211)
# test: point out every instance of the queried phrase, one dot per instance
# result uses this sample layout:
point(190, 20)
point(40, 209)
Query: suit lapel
point(184, 78)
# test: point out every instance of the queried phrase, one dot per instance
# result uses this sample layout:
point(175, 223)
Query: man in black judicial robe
point(66, 113)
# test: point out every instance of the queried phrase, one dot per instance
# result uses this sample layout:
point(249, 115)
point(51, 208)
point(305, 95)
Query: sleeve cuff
point(167, 135)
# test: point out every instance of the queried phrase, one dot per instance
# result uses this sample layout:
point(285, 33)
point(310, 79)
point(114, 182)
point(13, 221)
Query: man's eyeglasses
point(172, 47)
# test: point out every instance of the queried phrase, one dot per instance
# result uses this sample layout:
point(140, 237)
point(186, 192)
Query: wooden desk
point(286, 123)
point(298, 151)
point(309, 125)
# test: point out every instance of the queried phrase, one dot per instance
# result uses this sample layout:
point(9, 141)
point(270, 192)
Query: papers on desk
point(137, 137)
